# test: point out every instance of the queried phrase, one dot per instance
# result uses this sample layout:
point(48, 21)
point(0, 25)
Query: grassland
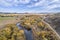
point(7, 20)
point(40, 30)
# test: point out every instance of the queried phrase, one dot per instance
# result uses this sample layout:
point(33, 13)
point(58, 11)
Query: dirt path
point(52, 29)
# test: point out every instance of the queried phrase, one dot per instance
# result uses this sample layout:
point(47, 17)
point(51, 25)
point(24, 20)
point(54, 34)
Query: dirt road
point(52, 29)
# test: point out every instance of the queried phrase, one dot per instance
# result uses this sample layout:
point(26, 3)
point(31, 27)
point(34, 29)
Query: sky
point(35, 6)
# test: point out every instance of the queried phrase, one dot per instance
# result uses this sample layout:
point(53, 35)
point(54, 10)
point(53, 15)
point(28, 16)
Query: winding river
point(28, 33)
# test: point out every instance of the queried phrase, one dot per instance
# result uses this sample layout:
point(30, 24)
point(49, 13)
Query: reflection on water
point(19, 26)
point(28, 33)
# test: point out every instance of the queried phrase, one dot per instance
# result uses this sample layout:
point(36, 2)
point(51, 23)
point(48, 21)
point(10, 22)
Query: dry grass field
point(40, 29)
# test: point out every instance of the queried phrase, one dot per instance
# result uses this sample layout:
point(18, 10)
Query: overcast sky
point(30, 6)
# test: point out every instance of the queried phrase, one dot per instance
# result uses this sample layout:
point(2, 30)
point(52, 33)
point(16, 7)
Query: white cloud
point(54, 4)
point(37, 4)
point(40, 3)
point(45, 3)
point(5, 3)
point(13, 2)
point(24, 1)
point(56, 0)
point(52, 7)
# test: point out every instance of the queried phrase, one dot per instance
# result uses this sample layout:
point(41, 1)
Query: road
point(52, 29)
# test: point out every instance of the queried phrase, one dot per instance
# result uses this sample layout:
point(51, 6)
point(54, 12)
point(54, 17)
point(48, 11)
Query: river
point(28, 33)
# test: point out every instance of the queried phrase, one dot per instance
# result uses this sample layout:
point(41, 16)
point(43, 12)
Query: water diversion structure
point(27, 33)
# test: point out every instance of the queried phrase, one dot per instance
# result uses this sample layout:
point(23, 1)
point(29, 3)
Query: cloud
point(24, 1)
point(54, 4)
point(40, 3)
point(13, 2)
point(46, 5)
point(5, 3)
